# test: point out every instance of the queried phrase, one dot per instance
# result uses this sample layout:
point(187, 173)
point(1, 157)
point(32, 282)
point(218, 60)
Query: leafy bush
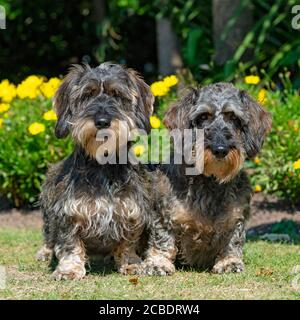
point(27, 140)
point(46, 36)
point(271, 40)
point(110, 33)
point(277, 169)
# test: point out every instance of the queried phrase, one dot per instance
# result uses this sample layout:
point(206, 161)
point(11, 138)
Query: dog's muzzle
point(220, 151)
point(102, 122)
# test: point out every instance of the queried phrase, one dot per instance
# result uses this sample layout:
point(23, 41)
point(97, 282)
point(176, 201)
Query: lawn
point(268, 276)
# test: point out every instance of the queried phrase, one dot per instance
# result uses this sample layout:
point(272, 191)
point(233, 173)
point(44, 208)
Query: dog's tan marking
point(224, 169)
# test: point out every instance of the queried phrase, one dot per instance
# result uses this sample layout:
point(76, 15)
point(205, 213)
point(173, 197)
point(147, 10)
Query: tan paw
point(130, 269)
point(230, 264)
point(66, 272)
point(128, 264)
point(44, 254)
point(156, 267)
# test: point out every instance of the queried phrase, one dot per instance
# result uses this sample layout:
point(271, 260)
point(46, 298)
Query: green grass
point(267, 276)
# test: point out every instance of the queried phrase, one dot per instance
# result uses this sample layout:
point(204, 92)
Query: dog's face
point(89, 100)
point(234, 126)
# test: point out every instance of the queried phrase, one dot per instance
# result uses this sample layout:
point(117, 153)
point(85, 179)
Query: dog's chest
point(204, 223)
point(106, 216)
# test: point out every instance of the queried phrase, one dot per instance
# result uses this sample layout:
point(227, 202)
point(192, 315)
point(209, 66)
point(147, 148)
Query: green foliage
point(24, 158)
point(57, 33)
point(45, 37)
point(276, 171)
point(274, 43)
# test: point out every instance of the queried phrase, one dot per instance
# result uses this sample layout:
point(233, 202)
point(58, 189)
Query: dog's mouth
point(223, 168)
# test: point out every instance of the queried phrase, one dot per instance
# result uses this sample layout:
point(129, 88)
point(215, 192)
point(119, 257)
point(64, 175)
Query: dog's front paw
point(134, 268)
point(44, 254)
point(157, 267)
point(69, 272)
point(165, 269)
point(229, 264)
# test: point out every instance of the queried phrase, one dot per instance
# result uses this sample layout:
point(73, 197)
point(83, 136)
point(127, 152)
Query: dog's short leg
point(70, 253)
point(125, 256)
point(230, 257)
point(161, 251)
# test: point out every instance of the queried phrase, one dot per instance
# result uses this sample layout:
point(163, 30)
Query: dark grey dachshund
point(90, 207)
point(205, 214)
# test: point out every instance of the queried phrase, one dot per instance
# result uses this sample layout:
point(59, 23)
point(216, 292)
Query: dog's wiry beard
point(223, 169)
point(85, 134)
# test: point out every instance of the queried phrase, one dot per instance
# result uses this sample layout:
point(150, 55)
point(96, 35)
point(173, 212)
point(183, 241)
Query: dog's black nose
point(220, 151)
point(102, 123)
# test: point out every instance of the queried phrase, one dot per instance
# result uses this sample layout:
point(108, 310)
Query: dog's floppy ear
point(175, 117)
point(144, 96)
point(62, 101)
point(260, 123)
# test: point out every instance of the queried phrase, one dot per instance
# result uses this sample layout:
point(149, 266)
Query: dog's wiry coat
point(90, 207)
point(205, 214)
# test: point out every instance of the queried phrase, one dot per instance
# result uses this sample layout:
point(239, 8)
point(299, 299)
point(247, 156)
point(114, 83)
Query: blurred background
point(211, 38)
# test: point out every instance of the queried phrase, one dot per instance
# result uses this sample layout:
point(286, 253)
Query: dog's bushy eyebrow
point(203, 107)
point(115, 87)
point(92, 86)
point(234, 108)
point(206, 107)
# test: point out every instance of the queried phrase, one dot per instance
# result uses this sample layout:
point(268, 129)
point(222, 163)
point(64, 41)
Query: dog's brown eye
point(198, 122)
point(90, 92)
point(204, 116)
point(233, 117)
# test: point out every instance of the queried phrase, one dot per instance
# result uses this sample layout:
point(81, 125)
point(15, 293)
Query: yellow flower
point(159, 89)
point(4, 107)
point(138, 150)
point(50, 115)
point(30, 87)
point(257, 188)
point(256, 160)
point(155, 122)
point(262, 96)
point(1, 122)
point(170, 81)
point(49, 88)
point(252, 79)
point(297, 164)
point(36, 128)
point(7, 91)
